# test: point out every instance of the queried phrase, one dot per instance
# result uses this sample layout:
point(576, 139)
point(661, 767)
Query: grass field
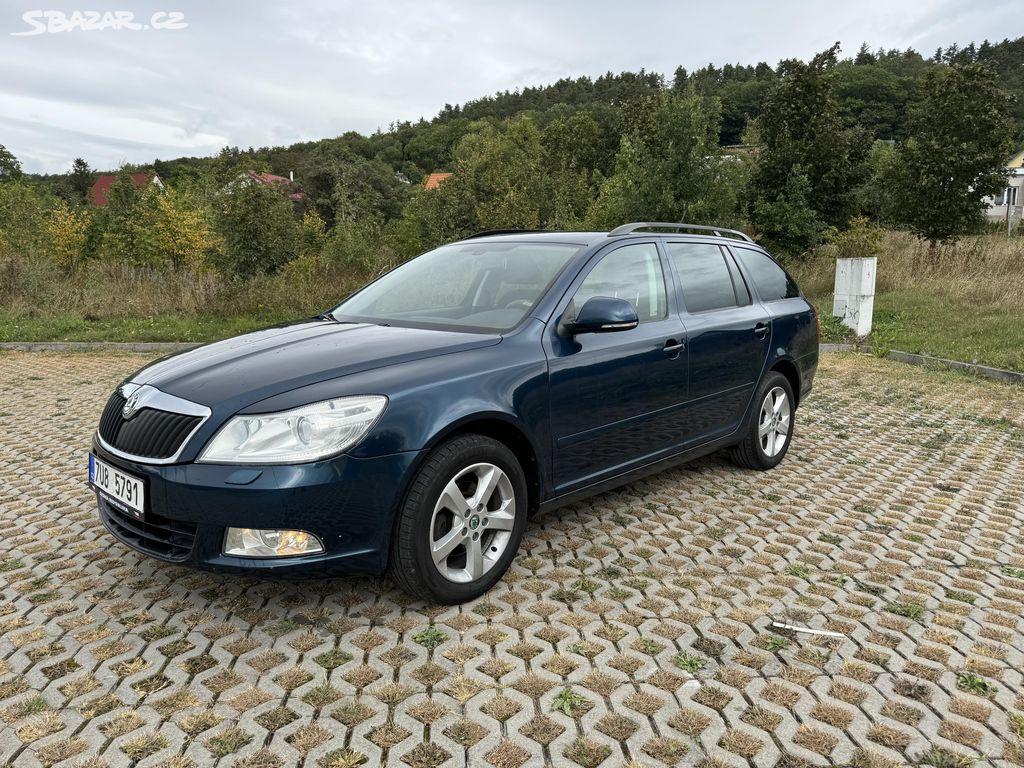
point(963, 302)
point(957, 329)
point(164, 327)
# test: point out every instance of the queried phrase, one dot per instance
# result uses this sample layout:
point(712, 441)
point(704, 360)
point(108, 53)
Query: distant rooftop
point(433, 181)
point(100, 192)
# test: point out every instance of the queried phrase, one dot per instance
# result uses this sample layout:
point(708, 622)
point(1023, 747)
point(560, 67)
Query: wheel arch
point(787, 368)
point(499, 426)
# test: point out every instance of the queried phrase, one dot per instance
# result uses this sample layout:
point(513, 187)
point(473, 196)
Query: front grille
point(149, 434)
point(156, 535)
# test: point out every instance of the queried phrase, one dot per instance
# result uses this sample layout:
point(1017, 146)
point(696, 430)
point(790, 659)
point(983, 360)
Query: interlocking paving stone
point(633, 628)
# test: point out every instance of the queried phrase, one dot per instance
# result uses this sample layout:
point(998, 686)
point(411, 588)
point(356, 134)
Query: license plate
point(120, 489)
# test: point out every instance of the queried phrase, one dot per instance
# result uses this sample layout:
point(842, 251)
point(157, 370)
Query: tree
point(117, 223)
point(24, 211)
point(872, 97)
point(668, 167)
point(10, 167)
point(173, 231)
point(67, 228)
point(80, 179)
point(497, 182)
point(259, 229)
point(959, 136)
point(808, 157)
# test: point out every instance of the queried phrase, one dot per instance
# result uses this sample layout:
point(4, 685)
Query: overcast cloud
point(248, 75)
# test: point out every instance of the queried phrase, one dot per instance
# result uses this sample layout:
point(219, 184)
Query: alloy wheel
point(472, 522)
point(774, 423)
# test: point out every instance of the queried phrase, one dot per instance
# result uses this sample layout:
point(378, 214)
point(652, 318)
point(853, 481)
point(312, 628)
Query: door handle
point(673, 347)
point(760, 330)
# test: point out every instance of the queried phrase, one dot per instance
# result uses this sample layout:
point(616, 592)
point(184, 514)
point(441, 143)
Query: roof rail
point(625, 229)
point(489, 232)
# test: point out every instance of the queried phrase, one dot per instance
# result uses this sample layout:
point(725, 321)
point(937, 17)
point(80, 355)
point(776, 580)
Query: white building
point(1012, 199)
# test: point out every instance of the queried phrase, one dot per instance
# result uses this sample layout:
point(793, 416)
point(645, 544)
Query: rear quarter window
point(769, 278)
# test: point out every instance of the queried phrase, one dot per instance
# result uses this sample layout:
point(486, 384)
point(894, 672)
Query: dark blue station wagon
point(413, 429)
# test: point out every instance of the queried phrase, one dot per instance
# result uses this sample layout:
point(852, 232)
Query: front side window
point(771, 280)
point(633, 273)
point(484, 286)
point(703, 275)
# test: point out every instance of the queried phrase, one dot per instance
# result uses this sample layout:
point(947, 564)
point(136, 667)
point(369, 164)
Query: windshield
point(466, 286)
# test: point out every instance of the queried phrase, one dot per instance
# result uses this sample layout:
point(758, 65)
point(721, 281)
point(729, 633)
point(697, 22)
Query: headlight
point(302, 434)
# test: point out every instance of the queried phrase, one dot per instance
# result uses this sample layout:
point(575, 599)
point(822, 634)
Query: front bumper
point(349, 503)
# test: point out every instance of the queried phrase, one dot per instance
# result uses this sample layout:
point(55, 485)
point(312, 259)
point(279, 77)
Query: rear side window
point(704, 276)
point(771, 280)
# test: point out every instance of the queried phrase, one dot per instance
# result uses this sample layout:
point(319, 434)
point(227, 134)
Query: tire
point(764, 446)
point(474, 546)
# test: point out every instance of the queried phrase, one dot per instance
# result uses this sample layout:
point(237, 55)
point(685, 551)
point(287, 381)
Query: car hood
point(249, 368)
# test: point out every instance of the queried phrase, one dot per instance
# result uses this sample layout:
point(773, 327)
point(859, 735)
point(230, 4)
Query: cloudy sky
point(249, 75)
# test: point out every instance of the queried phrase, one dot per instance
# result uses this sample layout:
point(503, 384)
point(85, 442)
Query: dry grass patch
point(276, 718)
point(388, 735)
point(353, 713)
point(249, 699)
point(834, 715)
point(741, 743)
point(666, 750)
point(308, 736)
point(392, 693)
point(226, 742)
point(866, 758)
point(902, 712)
point(175, 702)
point(122, 723)
point(501, 707)
point(427, 711)
point(198, 722)
point(893, 738)
point(343, 758)
point(58, 751)
point(144, 745)
point(815, 739)
point(643, 702)
point(465, 732)
point(690, 722)
point(224, 680)
point(762, 718)
point(261, 758)
point(507, 755)
point(960, 733)
point(425, 756)
point(542, 729)
point(618, 727)
point(779, 694)
point(587, 752)
point(601, 683)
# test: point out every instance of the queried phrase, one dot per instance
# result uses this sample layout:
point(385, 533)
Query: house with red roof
point(434, 180)
point(255, 177)
point(99, 195)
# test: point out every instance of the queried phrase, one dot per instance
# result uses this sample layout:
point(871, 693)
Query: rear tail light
point(817, 320)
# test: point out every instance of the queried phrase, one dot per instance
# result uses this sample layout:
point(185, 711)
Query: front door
point(614, 396)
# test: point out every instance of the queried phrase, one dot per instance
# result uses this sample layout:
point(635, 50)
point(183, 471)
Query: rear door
point(615, 397)
point(728, 335)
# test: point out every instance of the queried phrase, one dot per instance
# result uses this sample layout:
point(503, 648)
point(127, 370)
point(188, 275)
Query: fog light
point(256, 542)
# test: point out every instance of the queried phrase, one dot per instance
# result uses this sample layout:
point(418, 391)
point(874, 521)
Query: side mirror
point(603, 314)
